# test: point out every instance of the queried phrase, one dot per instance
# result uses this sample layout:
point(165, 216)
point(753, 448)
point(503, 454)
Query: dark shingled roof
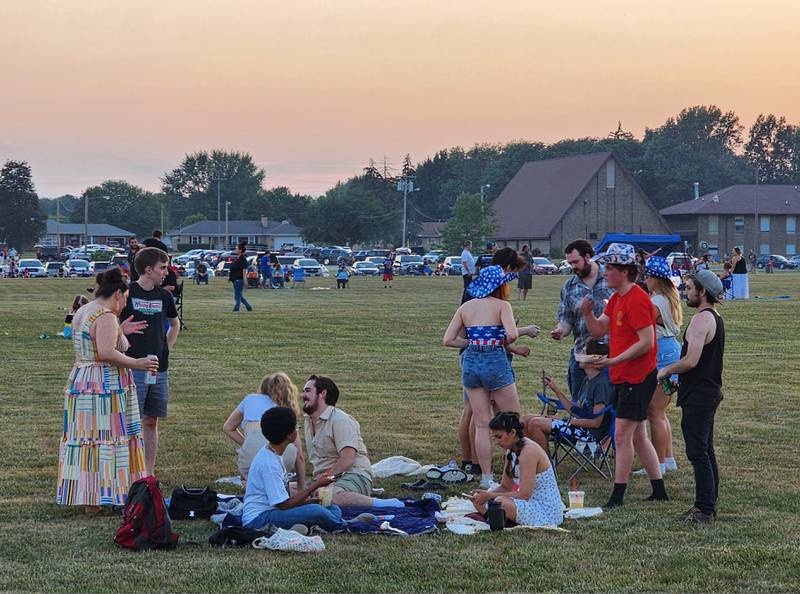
point(541, 193)
point(98, 229)
point(771, 199)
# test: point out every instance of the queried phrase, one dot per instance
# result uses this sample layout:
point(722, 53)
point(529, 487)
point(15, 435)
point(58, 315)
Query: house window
point(791, 224)
point(194, 240)
point(713, 225)
point(763, 250)
point(791, 249)
point(611, 174)
point(593, 235)
point(739, 224)
point(252, 240)
point(764, 223)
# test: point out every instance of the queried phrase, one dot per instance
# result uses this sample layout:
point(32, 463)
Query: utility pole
point(219, 179)
point(86, 222)
point(756, 225)
point(227, 204)
point(483, 187)
point(406, 184)
point(58, 228)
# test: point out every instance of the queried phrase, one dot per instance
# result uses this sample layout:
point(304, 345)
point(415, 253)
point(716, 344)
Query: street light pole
point(219, 179)
point(58, 228)
point(227, 204)
point(86, 222)
point(483, 187)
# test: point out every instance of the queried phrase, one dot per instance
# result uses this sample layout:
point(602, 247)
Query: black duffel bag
point(189, 503)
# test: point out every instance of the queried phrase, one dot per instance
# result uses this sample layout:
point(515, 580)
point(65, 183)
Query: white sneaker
point(670, 465)
point(643, 472)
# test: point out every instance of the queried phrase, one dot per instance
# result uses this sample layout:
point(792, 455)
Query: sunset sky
point(94, 90)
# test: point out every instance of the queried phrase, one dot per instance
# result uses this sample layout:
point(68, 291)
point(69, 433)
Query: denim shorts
point(152, 397)
point(486, 367)
point(669, 352)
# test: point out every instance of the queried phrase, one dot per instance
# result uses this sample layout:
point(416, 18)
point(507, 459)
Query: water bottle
point(496, 515)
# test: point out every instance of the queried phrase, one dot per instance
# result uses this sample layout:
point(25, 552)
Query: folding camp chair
point(591, 454)
point(178, 295)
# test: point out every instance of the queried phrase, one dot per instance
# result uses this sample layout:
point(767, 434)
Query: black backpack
point(146, 523)
point(191, 503)
point(235, 536)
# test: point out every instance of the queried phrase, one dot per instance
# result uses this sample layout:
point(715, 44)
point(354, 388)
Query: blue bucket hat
point(657, 266)
point(621, 254)
point(488, 280)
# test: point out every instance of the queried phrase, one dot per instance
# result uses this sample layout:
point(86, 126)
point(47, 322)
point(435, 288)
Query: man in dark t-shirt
point(155, 241)
point(133, 249)
point(149, 302)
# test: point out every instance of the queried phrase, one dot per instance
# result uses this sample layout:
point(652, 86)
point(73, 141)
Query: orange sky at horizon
point(109, 90)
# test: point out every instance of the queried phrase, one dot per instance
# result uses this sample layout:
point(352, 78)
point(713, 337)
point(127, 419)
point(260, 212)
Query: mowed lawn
point(383, 348)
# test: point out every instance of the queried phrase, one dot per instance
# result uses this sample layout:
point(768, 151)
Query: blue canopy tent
point(659, 245)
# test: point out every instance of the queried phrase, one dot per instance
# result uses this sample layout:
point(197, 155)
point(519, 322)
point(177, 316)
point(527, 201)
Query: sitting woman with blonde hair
point(244, 424)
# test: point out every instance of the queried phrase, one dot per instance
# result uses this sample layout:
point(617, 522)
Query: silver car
point(34, 268)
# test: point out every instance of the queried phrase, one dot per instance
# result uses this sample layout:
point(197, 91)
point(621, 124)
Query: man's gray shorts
point(152, 397)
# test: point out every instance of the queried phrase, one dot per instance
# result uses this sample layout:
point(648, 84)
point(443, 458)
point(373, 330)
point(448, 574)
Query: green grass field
point(383, 347)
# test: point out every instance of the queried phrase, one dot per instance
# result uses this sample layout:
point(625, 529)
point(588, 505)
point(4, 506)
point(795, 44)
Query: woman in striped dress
point(101, 451)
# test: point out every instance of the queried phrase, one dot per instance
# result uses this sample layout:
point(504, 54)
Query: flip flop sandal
point(455, 476)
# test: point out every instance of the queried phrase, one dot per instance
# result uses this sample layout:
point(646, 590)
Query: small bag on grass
point(189, 503)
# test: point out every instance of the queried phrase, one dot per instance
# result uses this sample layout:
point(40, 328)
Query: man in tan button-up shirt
point(335, 446)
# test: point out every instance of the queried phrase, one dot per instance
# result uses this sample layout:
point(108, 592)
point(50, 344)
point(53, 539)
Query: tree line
point(700, 144)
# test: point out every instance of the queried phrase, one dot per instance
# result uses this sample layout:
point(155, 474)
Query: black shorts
point(631, 401)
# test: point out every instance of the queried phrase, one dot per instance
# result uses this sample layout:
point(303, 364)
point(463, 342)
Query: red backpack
point(146, 523)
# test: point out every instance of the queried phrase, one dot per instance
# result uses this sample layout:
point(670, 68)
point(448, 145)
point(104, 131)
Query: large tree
point(22, 221)
point(347, 214)
point(472, 219)
point(192, 186)
point(698, 145)
point(124, 205)
point(277, 204)
point(773, 149)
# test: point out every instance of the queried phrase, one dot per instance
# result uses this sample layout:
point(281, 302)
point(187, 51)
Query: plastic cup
point(575, 499)
point(325, 495)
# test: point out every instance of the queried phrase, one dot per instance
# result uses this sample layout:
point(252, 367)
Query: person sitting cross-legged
point(594, 394)
point(335, 446)
point(267, 499)
point(528, 492)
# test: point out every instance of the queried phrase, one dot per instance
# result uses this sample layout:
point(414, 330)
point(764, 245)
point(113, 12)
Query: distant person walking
point(265, 268)
point(388, 271)
point(236, 275)
point(700, 390)
point(525, 280)
point(467, 268)
point(740, 283)
point(751, 256)
point(155, 241)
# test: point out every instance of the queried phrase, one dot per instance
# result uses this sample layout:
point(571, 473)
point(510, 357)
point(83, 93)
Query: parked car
point(309, 265)
point(795, 260)
point(377, 260)
point(95, 247)
point(331, 255)
point(778, 261)
point(33, 267)
point(98, 267)
point(403, 262)
point(77, 268)
point(365, 269)
point(51, 253)
point(680, 261)
point(544, 266)
point(564, 268)
point(434, 256)
point(452, 265)
point(54, 268)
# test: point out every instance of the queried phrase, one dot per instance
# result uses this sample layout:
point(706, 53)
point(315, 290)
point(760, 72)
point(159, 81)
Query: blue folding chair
point(593, 454)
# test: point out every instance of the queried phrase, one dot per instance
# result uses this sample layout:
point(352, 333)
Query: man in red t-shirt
point(630, 322)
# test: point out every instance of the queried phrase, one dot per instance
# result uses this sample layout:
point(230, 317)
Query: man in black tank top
point(700, 389)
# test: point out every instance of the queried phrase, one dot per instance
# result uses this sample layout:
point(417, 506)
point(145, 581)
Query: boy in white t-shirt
point(267, 499)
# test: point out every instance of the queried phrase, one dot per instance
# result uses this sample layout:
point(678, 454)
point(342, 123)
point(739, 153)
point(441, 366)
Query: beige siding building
point(549, 203)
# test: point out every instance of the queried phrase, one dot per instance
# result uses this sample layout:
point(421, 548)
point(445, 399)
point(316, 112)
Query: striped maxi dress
point(101, 451)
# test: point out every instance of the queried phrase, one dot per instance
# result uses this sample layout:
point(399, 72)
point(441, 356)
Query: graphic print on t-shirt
point(148, 307)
